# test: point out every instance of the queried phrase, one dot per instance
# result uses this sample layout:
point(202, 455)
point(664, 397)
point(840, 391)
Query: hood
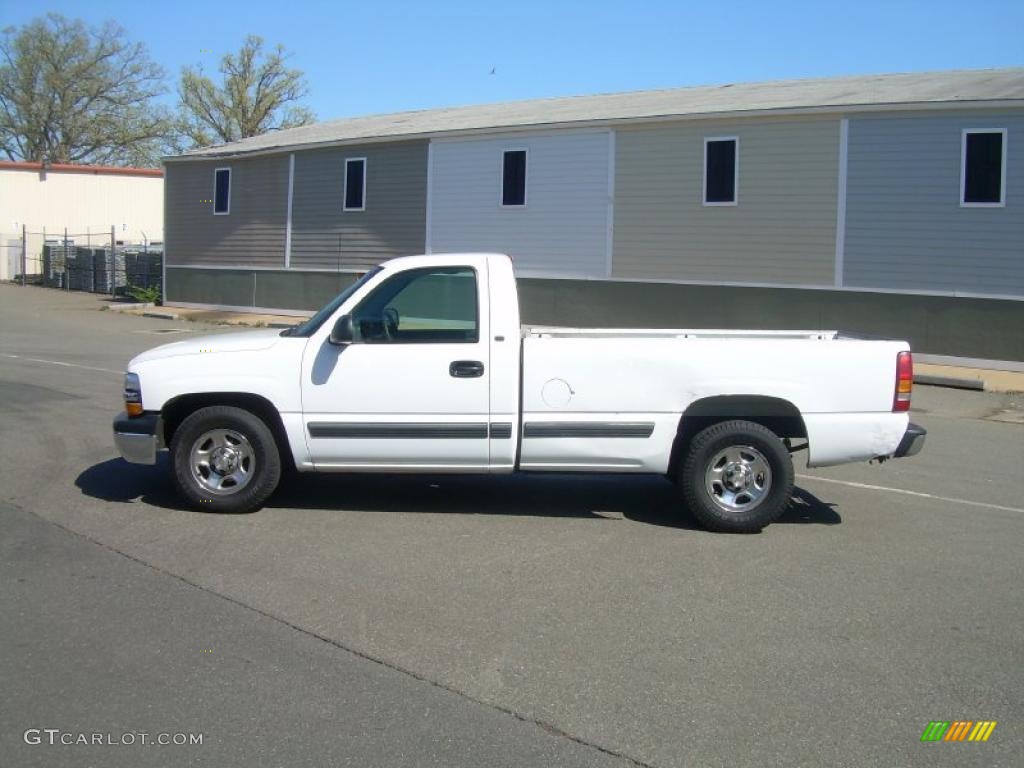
point(247, 341)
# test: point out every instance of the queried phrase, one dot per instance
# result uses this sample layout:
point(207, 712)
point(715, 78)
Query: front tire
point(225, 459)
point(737, 477)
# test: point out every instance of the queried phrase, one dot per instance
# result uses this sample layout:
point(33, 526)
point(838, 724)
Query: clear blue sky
point(380, 56)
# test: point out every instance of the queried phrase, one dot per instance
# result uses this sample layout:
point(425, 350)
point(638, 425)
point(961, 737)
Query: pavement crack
point(522, 717)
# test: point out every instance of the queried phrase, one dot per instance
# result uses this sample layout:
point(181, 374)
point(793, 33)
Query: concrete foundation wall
point(268, 289)
point(979, 328)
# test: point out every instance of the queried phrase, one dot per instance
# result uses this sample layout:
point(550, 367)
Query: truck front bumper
point(137, 439)
point(912, 442)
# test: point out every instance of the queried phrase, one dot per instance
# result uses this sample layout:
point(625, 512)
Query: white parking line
point(911, 493)
point(58, 362)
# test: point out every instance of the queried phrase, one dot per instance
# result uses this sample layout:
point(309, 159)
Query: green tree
point(76, 94)
point(258, 93)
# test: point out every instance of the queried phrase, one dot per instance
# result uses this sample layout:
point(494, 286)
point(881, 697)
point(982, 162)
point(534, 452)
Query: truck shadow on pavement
point(642, 499)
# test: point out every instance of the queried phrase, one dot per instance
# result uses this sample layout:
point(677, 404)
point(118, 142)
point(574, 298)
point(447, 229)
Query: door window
point(421, 306)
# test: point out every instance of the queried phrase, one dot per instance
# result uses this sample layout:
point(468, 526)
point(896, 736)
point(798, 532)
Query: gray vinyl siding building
point(805, 204)
point(252, 234)
point(905, 226)
point(326, 237)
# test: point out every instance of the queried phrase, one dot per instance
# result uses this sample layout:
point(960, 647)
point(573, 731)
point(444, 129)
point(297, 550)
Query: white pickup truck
point(422, 366)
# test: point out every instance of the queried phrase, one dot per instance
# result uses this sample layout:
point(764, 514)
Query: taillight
point(904, 382)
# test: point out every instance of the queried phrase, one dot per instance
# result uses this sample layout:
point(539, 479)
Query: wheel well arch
point(774, 413)
point(177, 409)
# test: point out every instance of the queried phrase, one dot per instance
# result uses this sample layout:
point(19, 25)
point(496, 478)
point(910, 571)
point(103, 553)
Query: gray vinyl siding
point(252, 234)
point(782, 231)
point(562, 229)
point(393, 224)
point(905, 228)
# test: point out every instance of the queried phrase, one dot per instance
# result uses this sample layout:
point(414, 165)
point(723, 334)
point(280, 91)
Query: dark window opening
point(222, 190)
point(355, 185)
point(513, 178)
point(720, 171)
point(983, 168)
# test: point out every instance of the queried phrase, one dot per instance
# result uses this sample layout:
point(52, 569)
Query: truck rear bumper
point(137, 439)
point(912, 442)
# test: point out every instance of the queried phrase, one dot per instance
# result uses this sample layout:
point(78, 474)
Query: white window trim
point(963, 168)
point(344, 184)
point(214, 201)
point(735, 174)
point(526, 178)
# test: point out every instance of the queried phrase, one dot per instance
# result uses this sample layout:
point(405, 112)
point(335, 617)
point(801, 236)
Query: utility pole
point(24, 253)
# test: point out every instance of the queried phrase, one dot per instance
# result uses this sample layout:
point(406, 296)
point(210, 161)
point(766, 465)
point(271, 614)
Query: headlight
point(132, 394)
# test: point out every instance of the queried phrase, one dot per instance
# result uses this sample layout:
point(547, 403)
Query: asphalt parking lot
point(583, 621)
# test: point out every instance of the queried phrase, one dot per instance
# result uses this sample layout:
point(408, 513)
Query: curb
point(161, 315)
point(950, 381)
point(124, 306)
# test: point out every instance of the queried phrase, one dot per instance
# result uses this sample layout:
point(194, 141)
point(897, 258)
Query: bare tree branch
point(256, 95)
point(72, 93)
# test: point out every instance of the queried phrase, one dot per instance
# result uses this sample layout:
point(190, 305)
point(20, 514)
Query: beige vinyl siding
point(905, 227)
point(252, 234)
point(782, 231)
point(392, 224)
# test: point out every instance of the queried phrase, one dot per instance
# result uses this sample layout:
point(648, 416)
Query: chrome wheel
point(222, 461)
point(738, 478)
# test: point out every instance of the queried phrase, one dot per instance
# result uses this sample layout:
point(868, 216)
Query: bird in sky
point(493, 70)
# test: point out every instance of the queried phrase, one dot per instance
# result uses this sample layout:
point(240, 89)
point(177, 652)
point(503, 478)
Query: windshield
point(309, 327)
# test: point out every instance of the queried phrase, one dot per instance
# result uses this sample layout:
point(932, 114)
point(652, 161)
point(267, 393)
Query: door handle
point(466, 369)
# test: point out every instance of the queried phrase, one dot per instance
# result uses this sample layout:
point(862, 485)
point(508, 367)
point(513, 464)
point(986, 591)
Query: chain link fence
point(86, 262)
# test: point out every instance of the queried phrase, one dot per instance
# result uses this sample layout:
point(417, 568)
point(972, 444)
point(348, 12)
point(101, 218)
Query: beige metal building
point(84, 200)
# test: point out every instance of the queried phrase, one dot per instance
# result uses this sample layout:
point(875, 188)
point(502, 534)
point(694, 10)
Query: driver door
point(411, 390)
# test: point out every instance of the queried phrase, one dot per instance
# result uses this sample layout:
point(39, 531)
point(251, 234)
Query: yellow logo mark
point(982, 730)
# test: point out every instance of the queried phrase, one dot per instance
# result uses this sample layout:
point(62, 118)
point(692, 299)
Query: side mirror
point(341, 334)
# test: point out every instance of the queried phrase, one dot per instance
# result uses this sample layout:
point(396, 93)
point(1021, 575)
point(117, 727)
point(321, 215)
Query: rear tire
point(737, 477)
point(225, 459)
